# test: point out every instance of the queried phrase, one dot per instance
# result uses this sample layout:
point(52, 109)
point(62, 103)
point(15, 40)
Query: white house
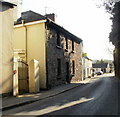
point(87, 67)
point(104, 67)
point(18, 8)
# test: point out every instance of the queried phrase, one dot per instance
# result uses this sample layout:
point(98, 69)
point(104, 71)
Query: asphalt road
point(98, 97)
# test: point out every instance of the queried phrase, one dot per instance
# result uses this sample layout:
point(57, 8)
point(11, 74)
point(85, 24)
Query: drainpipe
point(25, 38)
point(47, 83)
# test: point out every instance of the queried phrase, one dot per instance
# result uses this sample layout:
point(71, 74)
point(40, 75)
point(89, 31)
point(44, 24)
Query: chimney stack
point(51, 16)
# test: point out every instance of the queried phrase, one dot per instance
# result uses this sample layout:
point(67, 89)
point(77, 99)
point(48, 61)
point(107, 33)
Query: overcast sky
point(82, 18)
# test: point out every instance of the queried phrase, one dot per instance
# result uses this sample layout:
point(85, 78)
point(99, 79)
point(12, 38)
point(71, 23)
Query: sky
point(83, 19)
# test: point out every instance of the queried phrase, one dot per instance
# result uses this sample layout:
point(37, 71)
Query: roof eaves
point(29, 16)
point(8, 4)
point(50, 22)
point(29, 23)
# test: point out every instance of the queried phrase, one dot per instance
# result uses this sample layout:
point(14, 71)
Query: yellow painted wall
point(36, 39)
point(0, 52)
point(20, 40)
point(7, 51)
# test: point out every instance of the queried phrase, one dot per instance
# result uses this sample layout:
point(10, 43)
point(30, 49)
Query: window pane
point(58, 39)
point(72, 45)
point(73, 67)
point(66, 43)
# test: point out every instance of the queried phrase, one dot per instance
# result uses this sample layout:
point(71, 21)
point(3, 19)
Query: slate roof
point(64, 31)
point(31, 16)
point(99, 65)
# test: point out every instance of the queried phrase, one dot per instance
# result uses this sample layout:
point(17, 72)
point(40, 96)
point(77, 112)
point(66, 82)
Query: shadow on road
point(98, 95)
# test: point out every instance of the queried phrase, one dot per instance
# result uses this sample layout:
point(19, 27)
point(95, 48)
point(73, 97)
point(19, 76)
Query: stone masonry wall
point(54, 52)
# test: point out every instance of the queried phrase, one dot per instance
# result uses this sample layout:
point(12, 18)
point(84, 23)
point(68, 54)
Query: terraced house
point(58, 51)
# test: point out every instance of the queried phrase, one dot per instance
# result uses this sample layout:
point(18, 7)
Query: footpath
point(12, 102)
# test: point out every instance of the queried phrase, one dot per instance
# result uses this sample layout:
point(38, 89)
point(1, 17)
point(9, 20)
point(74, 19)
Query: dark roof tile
point(99, 65)
point(29, 16)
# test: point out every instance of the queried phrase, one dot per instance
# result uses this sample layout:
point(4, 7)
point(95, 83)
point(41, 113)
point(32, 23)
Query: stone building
point(63, 52)
point(58, 51)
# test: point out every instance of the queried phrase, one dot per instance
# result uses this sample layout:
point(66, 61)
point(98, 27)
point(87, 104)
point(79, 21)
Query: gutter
point(30, 23)
point(64, 31)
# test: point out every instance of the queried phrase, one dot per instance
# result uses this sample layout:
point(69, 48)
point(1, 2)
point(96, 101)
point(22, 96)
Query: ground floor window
point(73, 67)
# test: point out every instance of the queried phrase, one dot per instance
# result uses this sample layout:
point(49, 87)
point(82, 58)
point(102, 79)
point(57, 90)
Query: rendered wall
point(32, 39)
point(36, 48)
point(20, 41)
point(87, 68)
point(0, 50)
point(7, 51)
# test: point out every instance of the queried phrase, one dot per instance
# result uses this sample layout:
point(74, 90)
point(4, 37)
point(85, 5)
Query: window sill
point(73, 75)
point(66, 50)
point(73, 51)
point(59, 47)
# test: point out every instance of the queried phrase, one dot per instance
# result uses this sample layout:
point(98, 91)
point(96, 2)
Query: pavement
point(12, 102)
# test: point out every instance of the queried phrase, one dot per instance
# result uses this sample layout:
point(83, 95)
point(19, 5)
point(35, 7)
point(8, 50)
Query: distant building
point(87, 67)
point(6, 47)
point(58, 51)
point(104, 67)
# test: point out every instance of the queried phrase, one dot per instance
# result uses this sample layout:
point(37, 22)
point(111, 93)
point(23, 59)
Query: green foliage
point(84, 54)
point(113, 7)
point(100, 61)
point(107, 4)
point(115, 33)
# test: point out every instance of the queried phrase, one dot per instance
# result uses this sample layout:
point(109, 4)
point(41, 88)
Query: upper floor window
point(73, 67)
point(72, 45)
point(66, 40)
point(58, 39)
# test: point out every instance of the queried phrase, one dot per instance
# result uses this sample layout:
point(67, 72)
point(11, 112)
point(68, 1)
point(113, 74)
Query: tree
point(100, 61)
point(113, 7)
point(107, 4)
point(115, 33)
point(84, 55)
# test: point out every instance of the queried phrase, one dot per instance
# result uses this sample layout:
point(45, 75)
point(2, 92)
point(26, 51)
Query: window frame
point(58, 44)
point(73, 46)
point(66, 42)
point(73, 67)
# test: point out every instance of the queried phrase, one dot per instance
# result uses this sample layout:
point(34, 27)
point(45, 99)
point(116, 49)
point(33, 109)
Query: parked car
point(99, 73)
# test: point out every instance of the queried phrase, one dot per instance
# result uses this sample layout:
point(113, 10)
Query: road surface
point(98, 97)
